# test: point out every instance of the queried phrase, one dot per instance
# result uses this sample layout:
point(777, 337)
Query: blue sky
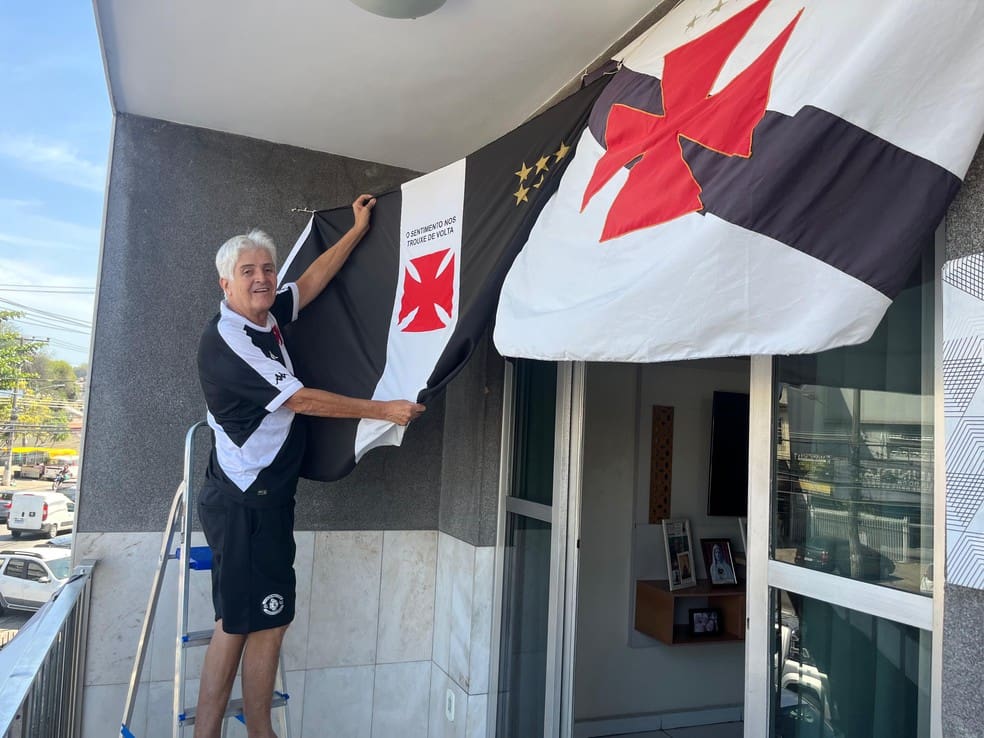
point(54, 146)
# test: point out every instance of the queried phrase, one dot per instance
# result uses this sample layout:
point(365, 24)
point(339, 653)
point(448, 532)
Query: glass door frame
point(563, 516)
point(764, 573)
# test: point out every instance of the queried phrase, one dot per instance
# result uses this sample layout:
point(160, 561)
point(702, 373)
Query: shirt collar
point(228, 313)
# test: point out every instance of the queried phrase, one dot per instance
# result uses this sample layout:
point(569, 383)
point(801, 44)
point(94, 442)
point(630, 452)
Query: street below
point(13, 620)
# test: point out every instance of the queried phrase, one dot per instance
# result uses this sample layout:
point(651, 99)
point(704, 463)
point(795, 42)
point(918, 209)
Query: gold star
point(562, 151)
point(716, 8)
point(521, 194)
point(542, 164)
point(524, 172)
point(539, 181)
point(693, 22)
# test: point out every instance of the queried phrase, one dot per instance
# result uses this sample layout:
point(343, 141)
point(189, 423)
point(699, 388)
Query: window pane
point(60, 567)
point(523, 642)
point(35, 571)
point(854, 453)
point(533, 444)
point(16, 568)
point(846, 674)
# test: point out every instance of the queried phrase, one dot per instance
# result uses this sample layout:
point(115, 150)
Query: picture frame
point(718, 561)
point(742, 530)
point(680, 563)
point(705, 622)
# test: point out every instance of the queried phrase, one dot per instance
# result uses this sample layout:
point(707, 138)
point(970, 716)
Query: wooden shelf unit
point(664, 614)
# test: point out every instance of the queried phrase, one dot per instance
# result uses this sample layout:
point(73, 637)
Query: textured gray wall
point(176, 193)
point(472, 440)
point(963, 615)
point(963, 654)
point(965, 219)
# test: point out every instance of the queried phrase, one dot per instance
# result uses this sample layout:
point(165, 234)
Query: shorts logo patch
point(273, 604)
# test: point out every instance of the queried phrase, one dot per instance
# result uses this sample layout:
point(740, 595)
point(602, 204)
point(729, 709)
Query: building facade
point(481, 580)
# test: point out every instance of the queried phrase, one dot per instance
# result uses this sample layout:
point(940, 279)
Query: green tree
point(41, 421)
point(55, 376)
point(16, 351)
point(16, 354)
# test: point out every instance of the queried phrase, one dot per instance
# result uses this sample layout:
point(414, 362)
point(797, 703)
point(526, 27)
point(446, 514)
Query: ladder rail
point(155, 592)
point(180, 514)
point(183, 581)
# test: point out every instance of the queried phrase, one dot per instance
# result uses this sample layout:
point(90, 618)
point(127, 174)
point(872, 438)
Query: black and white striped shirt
point(247, 376)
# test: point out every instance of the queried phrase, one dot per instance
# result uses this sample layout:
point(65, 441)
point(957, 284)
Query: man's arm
point(309, 401)
point(317, 276)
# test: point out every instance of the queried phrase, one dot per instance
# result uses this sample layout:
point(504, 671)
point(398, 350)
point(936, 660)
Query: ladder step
point(196, 638)
point(201, 557)
point(234, 710)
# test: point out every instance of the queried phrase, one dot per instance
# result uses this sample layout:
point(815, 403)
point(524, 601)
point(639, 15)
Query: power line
point(52, 326)
point(47, 314)
point(66, 345)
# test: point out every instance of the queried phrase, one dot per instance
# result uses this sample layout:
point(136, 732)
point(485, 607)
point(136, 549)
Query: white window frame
point(765, 574)
point(558, 714)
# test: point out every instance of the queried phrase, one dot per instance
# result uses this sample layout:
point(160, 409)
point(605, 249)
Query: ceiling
point(326, 75)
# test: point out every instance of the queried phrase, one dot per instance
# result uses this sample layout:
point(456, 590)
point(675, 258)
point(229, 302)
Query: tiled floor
point(722, 730)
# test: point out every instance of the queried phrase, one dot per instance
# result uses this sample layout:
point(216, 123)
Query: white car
point(47, 513)
point(29, 578)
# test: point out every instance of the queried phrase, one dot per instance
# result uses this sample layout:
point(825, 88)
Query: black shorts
point(253, 582)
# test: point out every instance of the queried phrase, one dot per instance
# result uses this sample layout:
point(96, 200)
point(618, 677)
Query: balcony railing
point(42, 667)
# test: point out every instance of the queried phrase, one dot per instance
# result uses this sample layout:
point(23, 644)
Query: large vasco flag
point(758, 178)
point(419, 291)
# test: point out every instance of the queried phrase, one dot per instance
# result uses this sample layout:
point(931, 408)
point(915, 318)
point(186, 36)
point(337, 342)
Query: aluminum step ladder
point(198, 558)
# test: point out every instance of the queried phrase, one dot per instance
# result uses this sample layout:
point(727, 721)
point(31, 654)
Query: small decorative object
point(705, 621)
point(400, 8)
point(718, 560)
point(679, 553)
point(661, 464)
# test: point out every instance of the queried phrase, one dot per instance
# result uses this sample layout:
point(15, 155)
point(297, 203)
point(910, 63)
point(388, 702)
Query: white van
point(49, 513)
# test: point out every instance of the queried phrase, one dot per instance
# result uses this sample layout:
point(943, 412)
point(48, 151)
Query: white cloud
point(67, 343)
point(24, 227)
point(53, 160)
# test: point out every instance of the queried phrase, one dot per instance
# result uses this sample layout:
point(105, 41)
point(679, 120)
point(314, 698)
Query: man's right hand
point(402, 412)
point(362, 208)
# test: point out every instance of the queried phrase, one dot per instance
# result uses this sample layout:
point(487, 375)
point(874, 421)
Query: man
point(246, 504)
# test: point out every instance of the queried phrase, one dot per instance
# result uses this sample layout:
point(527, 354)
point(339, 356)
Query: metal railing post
point(41, 667)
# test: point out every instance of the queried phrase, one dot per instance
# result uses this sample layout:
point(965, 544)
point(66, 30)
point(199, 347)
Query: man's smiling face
point(252, 289)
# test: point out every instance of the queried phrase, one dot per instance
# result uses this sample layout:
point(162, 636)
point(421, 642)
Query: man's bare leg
point(218, 674)
point(260, 661)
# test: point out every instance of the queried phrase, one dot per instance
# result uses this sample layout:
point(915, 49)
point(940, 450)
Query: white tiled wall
point(386, 624)
point(462, 636)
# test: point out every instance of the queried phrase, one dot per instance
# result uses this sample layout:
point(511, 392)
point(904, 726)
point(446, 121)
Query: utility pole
point(8, 467)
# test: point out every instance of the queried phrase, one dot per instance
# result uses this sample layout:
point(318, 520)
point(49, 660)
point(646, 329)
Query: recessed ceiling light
point(400, 8)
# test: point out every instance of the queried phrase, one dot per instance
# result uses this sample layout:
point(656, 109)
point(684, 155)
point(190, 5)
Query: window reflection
point(854, 453)
point(846, 674)
point(523, 639)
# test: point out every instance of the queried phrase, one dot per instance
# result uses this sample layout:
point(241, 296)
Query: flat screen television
point(727, 484)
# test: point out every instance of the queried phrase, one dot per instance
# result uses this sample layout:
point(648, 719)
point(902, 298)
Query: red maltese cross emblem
point(434, 289)
point(660, 186)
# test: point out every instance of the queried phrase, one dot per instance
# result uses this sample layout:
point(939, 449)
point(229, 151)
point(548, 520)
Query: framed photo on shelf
point(705, 621)
point(680, 567)
point(718, 560)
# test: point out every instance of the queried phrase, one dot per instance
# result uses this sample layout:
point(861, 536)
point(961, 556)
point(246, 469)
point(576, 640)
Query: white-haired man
point(246, 504)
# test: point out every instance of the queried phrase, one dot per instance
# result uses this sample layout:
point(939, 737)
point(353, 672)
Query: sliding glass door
point(842, 503)
point(528, 680)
